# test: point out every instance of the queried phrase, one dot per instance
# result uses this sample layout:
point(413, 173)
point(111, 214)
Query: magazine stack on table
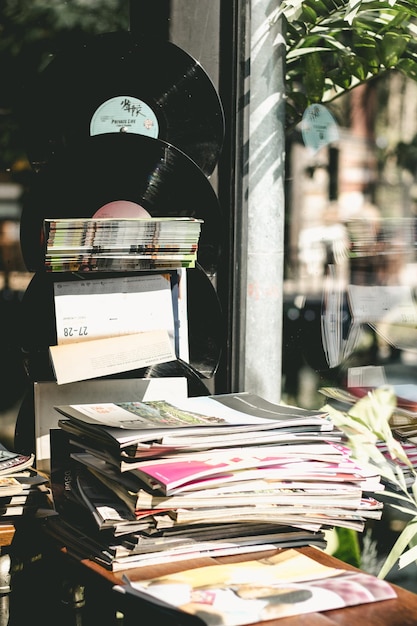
point(150, 482)
point(23, 490)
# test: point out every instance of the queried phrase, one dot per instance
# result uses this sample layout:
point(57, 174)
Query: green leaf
point(406, 536)
point(299, 99)
point(348, 549)
point(407, 557)
point(340, 77)
point(408, 67)
point(354, 66)
point(320, 7)
point(352, 10)
point(308, 14)
point(365, 46)
point(314, 77)
point(304, 52)
point(392, 47)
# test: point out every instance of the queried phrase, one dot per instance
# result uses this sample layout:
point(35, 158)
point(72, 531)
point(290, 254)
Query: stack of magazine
point(151, 482)
point(403, 423)
point(23, 490)
point(124, 244)
point(403, 420)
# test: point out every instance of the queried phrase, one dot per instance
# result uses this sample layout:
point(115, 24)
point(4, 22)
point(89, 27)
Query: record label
point(121, 208)
point(124, 114)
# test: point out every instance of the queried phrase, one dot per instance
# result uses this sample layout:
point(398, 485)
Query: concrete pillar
point(259, 235)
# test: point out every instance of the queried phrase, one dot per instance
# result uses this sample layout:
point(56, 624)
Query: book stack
point(121, 245)
point(23, 490)
point(158, 481)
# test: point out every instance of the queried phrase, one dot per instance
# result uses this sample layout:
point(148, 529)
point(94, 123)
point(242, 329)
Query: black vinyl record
point(109, 168)
point(24, 426)
point(38, 324)
point(114, 82)
point(206, 331)
point(195, 384)
point(22, 429)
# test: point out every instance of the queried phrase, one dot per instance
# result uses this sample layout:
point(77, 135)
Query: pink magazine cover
point(169, 473)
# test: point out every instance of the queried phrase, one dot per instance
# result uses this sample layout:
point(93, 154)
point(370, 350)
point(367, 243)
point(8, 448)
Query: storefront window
point(350, 284)
point(350, 276)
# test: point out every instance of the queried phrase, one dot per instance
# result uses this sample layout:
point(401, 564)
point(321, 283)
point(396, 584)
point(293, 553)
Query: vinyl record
point(206, 331)
point(24, 426)
point(195, 384)
point(22, 420)
point(37, 310)
point(38, 325)
point(108, 168)
point(112, 83)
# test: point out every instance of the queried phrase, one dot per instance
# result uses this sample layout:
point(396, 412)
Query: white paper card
point(366, 376)
point(318, 127)
point(373, 303)
point(101, 357)
point(93, 309)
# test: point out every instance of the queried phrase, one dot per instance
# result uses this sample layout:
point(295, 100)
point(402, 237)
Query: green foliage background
point(333, 46)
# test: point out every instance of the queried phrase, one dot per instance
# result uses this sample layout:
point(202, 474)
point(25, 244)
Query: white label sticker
point(124, 114)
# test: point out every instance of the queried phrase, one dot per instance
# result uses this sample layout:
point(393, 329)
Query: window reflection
point(351, 208)
point(350, 313)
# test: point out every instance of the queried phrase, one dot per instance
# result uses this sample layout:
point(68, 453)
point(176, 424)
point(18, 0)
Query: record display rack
point(143, 139)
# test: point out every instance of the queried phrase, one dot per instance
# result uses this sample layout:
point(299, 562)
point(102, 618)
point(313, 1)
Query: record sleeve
point(115, 83)
point(111, 168)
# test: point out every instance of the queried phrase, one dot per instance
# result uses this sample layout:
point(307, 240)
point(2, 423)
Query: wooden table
point(401, 611)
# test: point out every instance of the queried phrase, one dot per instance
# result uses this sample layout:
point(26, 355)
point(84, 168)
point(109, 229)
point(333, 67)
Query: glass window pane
point(350, 313)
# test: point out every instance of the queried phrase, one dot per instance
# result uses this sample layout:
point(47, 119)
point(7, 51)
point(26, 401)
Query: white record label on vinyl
point(318, 127)
point(124, 114)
